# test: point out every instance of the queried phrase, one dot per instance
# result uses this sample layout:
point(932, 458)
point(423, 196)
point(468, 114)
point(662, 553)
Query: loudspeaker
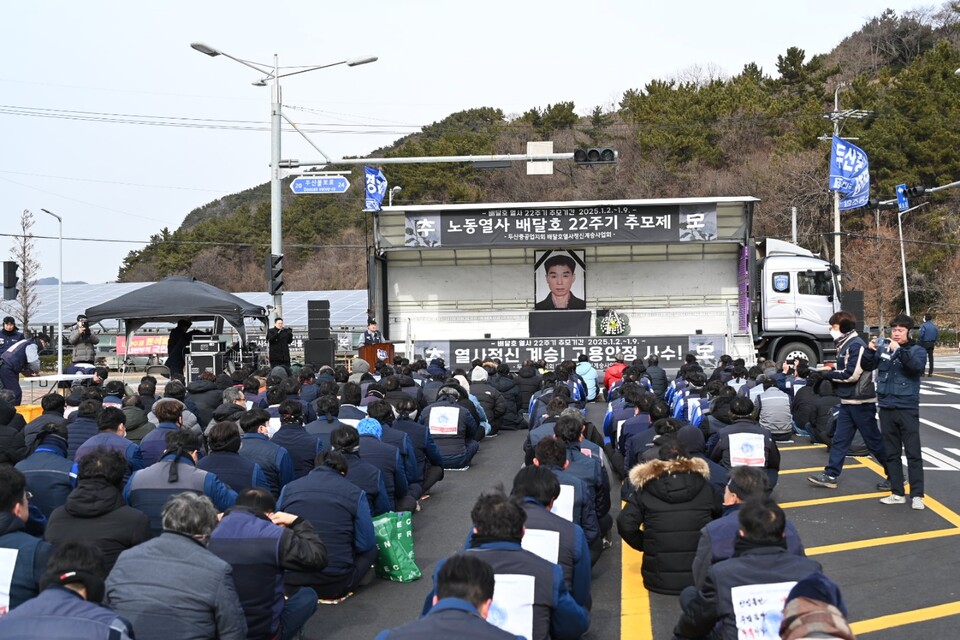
point(318, 331)
point(317, 305)
point(200, 362)
point(317, 353)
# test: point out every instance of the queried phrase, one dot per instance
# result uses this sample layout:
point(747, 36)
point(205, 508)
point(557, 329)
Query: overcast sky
point(106, 69)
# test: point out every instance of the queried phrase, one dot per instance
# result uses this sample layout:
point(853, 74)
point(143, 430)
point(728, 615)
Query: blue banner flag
point(375, 185)
point(849, 174)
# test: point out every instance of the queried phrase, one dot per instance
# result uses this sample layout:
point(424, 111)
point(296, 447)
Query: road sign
point(325, 184)
point(902, 203)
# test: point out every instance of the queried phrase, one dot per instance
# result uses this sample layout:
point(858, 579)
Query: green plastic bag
point(395, 559)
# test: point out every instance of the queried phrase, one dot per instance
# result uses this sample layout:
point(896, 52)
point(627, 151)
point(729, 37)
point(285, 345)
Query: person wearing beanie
point(899, 363)
point(9, 334)
point(815, 609)
point(387, 459)
point(47, 469)
point(360, 371)
point(858, 402)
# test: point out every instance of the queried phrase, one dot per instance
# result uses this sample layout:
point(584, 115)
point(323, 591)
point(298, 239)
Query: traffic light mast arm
point(508, 157)
point(925, 191)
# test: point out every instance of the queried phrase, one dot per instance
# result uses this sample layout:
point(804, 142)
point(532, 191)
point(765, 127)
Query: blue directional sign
point(320, 184)
point(902, 203)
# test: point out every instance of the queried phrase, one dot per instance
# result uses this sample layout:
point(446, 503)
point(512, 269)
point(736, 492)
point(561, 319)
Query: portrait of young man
point(559, 280)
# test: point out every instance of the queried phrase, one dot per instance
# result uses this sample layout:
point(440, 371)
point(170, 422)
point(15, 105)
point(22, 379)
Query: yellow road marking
point(907, 617)
point(784, 472)
point(831, 500)
point(879, 542)
point(932, 504)
point(635, 620)
point(802, 447)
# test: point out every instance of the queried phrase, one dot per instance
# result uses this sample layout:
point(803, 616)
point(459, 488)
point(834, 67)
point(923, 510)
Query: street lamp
point(394, 190)
point(276, 193)
point(59, 297)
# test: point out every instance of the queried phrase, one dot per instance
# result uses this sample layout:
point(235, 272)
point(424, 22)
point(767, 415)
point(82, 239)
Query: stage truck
point(555, 280)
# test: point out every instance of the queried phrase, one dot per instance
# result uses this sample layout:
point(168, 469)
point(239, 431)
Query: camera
point(882, 343)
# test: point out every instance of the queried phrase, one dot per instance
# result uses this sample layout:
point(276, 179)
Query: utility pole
point(839, 118)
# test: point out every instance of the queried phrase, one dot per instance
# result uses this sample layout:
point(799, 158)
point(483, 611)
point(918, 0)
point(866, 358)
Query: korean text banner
point(375, 187)
point(622, 224)
point(600, 350)
point(849, 174)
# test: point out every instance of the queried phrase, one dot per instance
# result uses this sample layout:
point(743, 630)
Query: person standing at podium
point(372, 335)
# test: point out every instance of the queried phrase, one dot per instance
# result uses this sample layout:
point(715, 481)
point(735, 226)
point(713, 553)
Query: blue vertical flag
point(375, 184)
point(849, 174)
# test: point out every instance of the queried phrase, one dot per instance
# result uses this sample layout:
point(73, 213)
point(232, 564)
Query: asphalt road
point(440, 530)
point(897, 567)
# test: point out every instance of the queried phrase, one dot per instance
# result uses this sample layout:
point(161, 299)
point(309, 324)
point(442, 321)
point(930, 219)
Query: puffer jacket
point(528, 381)
point(513, 419)
point(84, 345)
point(674, 500)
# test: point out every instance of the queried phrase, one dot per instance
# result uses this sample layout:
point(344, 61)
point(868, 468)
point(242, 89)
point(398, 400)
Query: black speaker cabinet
point(317, 305)
point(200, 362)
point(317, 353)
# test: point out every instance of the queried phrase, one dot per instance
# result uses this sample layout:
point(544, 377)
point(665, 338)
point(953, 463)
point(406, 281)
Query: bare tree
point(23, 253)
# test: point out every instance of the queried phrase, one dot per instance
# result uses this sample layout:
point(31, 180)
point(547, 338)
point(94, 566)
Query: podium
point(373, 352)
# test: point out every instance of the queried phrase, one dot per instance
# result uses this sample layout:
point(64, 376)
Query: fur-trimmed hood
point(643, 474)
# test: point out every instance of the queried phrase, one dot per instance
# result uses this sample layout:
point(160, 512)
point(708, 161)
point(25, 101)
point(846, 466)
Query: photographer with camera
point(84, 347)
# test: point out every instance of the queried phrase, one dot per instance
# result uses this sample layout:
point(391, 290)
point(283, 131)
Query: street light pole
point(59, 296)
point(396, 189)
point(903, 257)
point(276, 185)
point(276, 116)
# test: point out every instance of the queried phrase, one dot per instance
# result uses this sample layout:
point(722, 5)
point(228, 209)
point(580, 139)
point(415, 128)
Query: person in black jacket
point(260, 543)
point(760, 559)
point(279, 339)
point(95, 511)
point(528, 382)
point(674, 500)
point(205, 396)
point(12, 447)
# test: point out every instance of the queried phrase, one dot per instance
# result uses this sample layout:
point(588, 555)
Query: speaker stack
point(318, 348)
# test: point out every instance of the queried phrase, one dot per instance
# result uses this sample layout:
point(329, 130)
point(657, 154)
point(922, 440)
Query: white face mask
point(835, 334)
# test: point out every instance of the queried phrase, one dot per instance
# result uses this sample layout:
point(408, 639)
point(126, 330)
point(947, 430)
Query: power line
point(208, 243)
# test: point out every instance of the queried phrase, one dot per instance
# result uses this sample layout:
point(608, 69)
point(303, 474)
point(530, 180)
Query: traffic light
point(915, 192)
point(595, 155)
point(10, 280)
point(274, 272)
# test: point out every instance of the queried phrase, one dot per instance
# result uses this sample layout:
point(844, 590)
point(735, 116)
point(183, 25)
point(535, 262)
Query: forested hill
point(697, 134)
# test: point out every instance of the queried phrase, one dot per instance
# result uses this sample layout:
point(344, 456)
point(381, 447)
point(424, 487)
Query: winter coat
point(493, 403)
point(674, 500)
point(207, 397)
point(613, 374)
point(95, 512)
point(137, 424)
point(279, 345)
point(586, 371)
point(84, 345)
point(59, 612)
point(207, 606)
point(513, 418)
point(528, 381)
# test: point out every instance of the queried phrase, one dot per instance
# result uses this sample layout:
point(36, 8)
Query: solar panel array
point(347, 308)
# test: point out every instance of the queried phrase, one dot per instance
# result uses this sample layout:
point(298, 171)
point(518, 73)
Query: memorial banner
point(558, 226)
point(600, 350)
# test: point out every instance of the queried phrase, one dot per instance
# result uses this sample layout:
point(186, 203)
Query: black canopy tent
point(178, 298)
